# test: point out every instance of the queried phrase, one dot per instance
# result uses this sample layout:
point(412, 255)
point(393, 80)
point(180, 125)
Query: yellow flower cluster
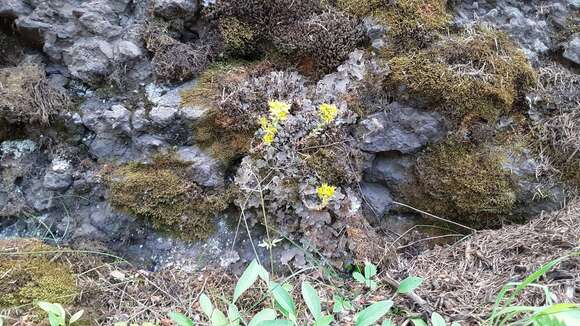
point(278, 112)
point(325, 192)
point(328, 112)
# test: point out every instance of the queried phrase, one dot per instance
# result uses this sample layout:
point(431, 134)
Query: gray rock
point(572, 50)
point(378, 197)
point(57, 181)
point(392, 169)
point(206, 171)
point(127, 50)
point(105, 118)
point(14, 8)
point(90, 60)
point(533, 24)
point(399, 128)
point(174, 8)
point(163, 115)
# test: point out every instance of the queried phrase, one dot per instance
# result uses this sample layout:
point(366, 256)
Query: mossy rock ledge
point(163, 194)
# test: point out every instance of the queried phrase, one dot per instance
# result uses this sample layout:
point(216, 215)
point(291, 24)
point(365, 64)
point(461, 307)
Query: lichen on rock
point(27, 276)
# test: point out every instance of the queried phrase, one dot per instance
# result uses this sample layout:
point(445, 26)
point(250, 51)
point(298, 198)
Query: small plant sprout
point(269, 244)
point(327, 112)
point(369, 272)
point(325, 193)
point(57, 314)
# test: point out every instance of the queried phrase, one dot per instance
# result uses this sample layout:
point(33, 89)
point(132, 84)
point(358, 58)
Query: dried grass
point(26, 96)
point(462, 280)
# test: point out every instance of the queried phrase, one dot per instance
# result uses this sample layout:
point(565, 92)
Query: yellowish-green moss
point(411, 23)
point(239, 37)
point(26, 277)
point(221, 142)
point(162, 194)
point(360, 8)
point(206, 90)
point(332, 166)
point(463, 181)
point(469, 76)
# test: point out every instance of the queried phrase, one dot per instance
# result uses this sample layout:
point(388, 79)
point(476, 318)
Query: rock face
point(572, 50)
point(92, 38)
point(399, 128)
point(534, 24)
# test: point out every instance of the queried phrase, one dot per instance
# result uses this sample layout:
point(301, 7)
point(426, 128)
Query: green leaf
point(206, 305)
point(266, 314)
point(1, 321)
point(148, 323)
point(324, 321)
point(418, 322)
point(283, 298)
point(409, 284)
point(372, 284)
point(180, 319)
point(219, 319)
point(248, 278)
point(311, 299)
point(76, 316)
point(455, 323)
point(387, 322)
point(373, 313)
point(370, 270)
point(55, 320)
point(340, 304)
point(437, 320)
point(51, 308)
point(277, 322)
point(359, 277)
point(234, 315)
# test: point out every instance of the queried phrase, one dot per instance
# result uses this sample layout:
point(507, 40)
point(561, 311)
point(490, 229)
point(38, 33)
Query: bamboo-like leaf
point(324, 321)
point(373, 313)
point(312, 300)
point(264, 315)
point(283, 298)
point(76, 316)
point(206, 305)
point(409, 284)
point(437, 320)
point(219, 319)
point(248, 278)
point(180, 319)
point(234, 315)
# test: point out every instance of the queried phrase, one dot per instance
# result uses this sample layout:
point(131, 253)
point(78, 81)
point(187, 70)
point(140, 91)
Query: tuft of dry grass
point(463, 279)
point(26, 96)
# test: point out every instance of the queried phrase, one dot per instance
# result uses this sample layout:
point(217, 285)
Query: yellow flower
point(268, 138)
point(325, 192)
point(328, 112)
point(278, 110)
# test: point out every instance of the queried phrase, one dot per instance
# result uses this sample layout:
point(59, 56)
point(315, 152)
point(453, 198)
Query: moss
point(331, 165)
point(411, 23)
point(462, 181)
point(478, 76)
point(239, 38)
point(226, 144)
point(26, 278)
point(162, 194)
point(360, 8)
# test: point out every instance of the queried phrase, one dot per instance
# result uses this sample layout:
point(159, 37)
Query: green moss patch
point(26, 277)
point(411, 23)
point(463, 181)
point(468, 76)
point(163, 194)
